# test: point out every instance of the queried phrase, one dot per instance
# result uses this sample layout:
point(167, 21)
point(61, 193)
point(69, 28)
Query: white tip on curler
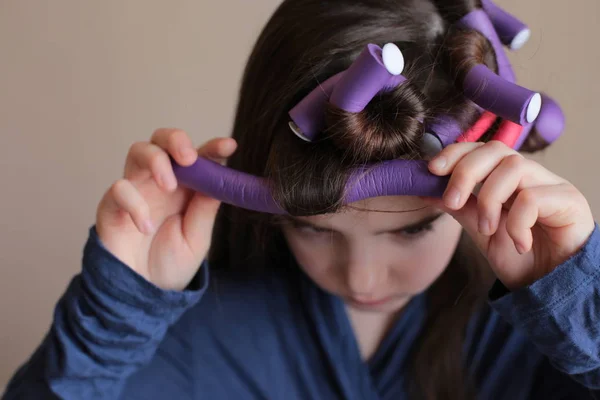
point(520, 39)
point(297, 131)
point(392, 59)
point(534, 107)
point(431, 145)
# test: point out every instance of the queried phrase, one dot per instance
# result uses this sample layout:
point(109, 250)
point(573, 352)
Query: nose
point(363, 276)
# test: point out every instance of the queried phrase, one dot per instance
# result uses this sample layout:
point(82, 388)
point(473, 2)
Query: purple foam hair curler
point(389, 178)
point(308, 116)
point(479, 21)
point(227, 185)
point(549, 125)
point(551, 122)
point(497, 92)
point(374, 71)
point(445, 128)
point(511, 31)
point(505, 99)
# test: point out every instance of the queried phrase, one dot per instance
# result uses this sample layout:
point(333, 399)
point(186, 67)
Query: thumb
point(199, 218)
point(198, 223)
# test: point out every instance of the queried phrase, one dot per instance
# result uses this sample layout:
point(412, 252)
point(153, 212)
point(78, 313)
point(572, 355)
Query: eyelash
point(310, 229)
point(411, 233)
point(414, 233)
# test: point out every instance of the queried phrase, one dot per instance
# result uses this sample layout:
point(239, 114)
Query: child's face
point(375, 261)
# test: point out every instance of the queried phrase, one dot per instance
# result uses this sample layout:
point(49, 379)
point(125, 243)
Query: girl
point(464, 297)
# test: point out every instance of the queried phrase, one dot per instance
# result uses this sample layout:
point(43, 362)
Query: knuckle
point(142, 210)
point(135, 147)
point(461, 176)
point(118, 188)
point(512, 227)
point(156, 158)
point(175, 137)
point(484, 201)
point(526, 197)
point(572, 190)
point(159, 133)
point(451, 148)
point(496, 145)
point(515, 161)
point(177, 132)
point(164, 135)
point(459, 148)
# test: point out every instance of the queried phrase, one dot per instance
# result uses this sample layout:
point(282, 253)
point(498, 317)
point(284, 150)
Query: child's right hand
point(159, 229)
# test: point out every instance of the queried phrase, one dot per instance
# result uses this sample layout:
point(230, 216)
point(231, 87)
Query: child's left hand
point(525, 219)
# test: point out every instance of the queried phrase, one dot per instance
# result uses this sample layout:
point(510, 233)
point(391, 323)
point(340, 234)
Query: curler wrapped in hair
point(505, 99)
point(511, 31)
point(375, 70)
point(497, 92)
point(308, 116)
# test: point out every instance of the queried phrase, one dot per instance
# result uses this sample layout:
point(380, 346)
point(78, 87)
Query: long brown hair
point(304, 43)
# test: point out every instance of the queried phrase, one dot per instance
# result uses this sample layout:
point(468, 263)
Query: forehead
point(379, 213)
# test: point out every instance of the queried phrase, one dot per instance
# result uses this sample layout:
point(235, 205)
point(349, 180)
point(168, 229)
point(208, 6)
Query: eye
point(309, 229)
point(416, 231)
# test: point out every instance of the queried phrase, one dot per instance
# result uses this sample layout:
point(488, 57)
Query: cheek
point(419, 267)
point(315, 258)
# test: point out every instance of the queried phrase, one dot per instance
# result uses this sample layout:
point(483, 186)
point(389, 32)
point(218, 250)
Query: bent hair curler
point(497, 92)
point(511, 31)
point(375, 70)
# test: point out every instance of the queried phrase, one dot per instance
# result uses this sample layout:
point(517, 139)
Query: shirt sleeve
point(107, 325)
point(560, 314)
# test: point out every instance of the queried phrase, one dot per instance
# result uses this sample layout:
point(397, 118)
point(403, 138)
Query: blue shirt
point(117, 336)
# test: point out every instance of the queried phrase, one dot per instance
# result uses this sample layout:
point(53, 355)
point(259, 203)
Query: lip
point(370, 303)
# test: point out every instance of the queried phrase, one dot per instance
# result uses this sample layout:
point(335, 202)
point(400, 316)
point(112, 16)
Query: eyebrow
point(415, 225)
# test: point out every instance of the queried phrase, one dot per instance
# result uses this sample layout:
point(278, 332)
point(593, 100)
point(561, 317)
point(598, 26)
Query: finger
point(148, 156)
point(123, 197)
point(177, 144)
point(467, 216)
point(218, 149)
point(471, 169)
point(500, 188)
point(552, 205)
point(521, 218)
point(198, 222)
point(443, 163)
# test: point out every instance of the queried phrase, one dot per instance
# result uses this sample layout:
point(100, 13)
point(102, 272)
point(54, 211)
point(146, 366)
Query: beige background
point(80, 81)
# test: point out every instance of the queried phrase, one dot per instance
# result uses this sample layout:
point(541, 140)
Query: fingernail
point(148, 226)
point(485, 226)
point(520, 248)
point(438, 162)
point(452, 198)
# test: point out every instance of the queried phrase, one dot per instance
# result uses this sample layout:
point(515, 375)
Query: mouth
point(369, 303)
